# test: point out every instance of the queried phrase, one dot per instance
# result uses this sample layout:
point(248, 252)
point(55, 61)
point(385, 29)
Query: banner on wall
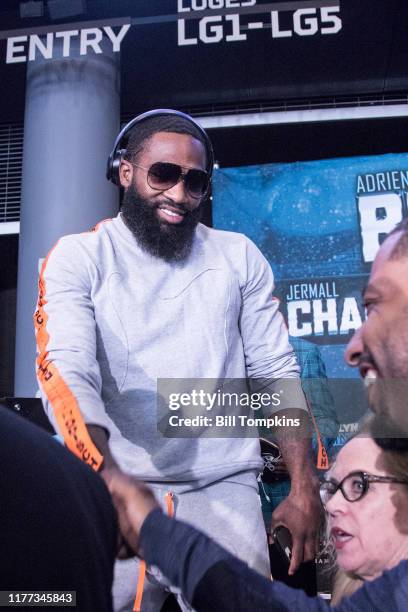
point(320, 225)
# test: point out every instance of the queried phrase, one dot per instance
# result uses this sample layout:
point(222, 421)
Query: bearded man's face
point(380, 347)
point(164, 221)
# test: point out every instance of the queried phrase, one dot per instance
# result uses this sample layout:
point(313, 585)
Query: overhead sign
point(29, 47)
point(189, 53)
point(199, 21)
point(232, 27)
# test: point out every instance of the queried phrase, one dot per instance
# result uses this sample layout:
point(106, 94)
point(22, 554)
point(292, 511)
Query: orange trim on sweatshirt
point(63, 402)
point(137, 606)
point(169, 497)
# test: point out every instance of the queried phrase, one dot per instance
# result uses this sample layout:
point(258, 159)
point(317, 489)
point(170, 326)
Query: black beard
point(388, 434)
point(171, 242)
point(389, 422)
point(397, 445)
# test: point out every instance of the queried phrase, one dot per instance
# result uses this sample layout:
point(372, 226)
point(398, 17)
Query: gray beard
point(169, 242)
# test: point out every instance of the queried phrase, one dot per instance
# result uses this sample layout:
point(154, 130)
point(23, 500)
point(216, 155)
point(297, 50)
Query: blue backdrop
point(319, 224)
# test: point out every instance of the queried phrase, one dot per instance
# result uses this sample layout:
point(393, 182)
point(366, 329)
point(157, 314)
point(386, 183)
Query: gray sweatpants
point(229, 511)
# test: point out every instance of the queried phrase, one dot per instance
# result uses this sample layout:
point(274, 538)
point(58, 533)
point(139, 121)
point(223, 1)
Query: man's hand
point(301, 510)
point(300, 513)
point(132, 499)
point(133, 502)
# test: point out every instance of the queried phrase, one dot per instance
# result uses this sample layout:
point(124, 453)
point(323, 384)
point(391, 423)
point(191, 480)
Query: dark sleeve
point(212, 579)
point(388, 592)
point(58, 526)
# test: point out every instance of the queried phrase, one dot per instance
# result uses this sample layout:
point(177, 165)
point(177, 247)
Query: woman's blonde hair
point(344, 585)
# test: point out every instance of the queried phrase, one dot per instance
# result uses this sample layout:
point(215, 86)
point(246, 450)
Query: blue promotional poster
point(319, 224)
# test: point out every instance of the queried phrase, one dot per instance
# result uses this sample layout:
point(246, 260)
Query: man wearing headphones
point(209, 576)
point(153, 294)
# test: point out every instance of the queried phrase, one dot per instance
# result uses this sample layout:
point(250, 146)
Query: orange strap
point(322, 462)
point(140, 586)
point(169, 503)
point(169, 497)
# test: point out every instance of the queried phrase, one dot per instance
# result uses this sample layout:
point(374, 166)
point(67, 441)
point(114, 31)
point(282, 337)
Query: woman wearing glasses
point(365, 495)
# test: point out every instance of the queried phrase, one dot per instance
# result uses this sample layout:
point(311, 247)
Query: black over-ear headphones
point(119, 148)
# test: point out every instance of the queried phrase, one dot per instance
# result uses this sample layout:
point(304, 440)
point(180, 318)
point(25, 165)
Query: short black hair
point(140, 133)
point(401, 248)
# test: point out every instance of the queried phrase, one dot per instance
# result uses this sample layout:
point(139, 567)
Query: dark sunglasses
point(354, 486)
point(164, 175)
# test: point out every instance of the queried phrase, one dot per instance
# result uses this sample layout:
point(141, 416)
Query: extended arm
point(271, 363)
point(67, 366)
point(213, 579)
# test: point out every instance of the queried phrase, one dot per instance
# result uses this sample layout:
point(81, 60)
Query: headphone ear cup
point(114, 166)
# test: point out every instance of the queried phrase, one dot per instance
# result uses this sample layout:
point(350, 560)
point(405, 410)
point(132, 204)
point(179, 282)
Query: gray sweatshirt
point(113, 320)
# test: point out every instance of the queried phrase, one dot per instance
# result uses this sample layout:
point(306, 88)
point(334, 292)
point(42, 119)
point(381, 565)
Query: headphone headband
point(119, 150)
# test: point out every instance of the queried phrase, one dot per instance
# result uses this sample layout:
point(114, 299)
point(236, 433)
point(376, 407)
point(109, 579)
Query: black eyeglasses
point(164, 175)
point(354, 486)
